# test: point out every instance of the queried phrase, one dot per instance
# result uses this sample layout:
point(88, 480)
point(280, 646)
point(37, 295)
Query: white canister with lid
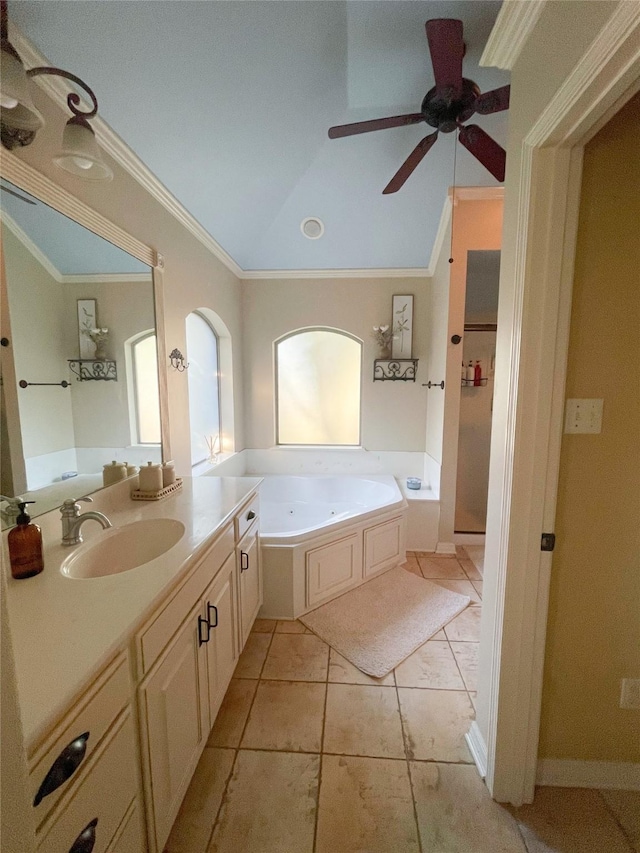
point(150, 477)
point(113, 473)
point(168, 474)
point(131, 469)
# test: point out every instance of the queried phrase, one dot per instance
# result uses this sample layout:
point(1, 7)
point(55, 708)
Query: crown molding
point(57, 89)
point(617, 46)
point(30, 246)
point(475, 193)
point(515, 22)
point(380, 272)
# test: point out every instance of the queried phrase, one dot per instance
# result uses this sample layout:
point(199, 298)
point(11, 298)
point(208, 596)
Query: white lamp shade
point(81, 155)
point(18, 111)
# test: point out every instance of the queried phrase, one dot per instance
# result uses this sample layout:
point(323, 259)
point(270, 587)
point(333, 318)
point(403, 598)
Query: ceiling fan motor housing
point(441, 111)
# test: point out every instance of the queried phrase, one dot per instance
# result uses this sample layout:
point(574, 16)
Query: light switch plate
point(583, 416)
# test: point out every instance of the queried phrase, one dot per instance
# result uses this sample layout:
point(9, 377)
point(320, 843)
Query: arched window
point(143, 356)
point(318, 388)
point(203, 356)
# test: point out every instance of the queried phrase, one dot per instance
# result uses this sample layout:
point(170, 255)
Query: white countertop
point(64, 630)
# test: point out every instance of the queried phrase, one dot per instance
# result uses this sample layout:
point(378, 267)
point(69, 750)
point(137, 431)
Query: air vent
point(312, 228)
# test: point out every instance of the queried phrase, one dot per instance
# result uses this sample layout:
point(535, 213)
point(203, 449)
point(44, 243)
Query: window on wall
point(203, 355)
point(318, 388)
point(146, 402)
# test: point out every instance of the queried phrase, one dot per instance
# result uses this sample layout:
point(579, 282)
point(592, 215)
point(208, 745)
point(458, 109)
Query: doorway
point(476, 392)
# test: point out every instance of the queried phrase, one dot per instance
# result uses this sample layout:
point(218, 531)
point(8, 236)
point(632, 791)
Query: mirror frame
point(25, 177)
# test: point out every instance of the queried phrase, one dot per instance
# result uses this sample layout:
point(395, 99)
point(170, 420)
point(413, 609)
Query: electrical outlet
point(583, 416)
point(630, 693)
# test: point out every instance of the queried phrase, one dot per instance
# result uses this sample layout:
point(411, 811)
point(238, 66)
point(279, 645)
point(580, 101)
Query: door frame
point(504, 739)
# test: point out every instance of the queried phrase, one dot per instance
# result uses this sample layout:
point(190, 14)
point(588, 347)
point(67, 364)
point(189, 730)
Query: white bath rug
point(379, 624)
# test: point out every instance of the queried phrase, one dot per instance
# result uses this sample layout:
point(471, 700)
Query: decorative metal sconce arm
point(73, 99)
point(177, 361)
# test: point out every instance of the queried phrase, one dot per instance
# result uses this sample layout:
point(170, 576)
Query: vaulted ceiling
point(229, 104)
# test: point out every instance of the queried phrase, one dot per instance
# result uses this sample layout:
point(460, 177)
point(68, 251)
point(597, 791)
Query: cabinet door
point(174, 707)
point(383, 546)
point(249, 570)
point(220, 603)
point(333, 569)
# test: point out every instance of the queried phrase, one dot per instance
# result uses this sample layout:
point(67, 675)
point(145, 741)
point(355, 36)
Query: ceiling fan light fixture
point(80, 154)
point(18, 110)
point(312, 227)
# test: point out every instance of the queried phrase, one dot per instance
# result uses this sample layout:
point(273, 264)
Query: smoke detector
point(312, 227)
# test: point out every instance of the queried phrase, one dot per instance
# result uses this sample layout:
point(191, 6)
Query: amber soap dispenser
point(25, 546)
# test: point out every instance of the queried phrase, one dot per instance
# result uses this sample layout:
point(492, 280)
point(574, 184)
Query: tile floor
point(309, 754)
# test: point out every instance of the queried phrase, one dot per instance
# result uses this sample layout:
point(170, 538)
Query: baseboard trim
point(478, 748)
point(469, 538)
point(445, 548)
point(624, 775)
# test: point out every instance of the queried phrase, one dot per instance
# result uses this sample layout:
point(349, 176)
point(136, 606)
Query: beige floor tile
point(297, 657)
point(456, 813)
point(472, 696)
point(289, 627)
point(476, 554)
point(470, 570)
point(477, 585)
point(432, 665)
point(192, 829)
point(233, 713)
point(365, 807)
point(570, 820)
point(253, 656)
point(626, 807)
point(435, 723)
point(466, 626)
point(441, 567)
point(342, 671)
point(464, 587)
point(286, 715)
point(466, 655)
point(439, 636)
point(363, 720)
point(264, 626)
point(270, 804)
point(413, 566)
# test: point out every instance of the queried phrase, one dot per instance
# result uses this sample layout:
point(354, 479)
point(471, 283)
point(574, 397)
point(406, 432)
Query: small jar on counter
point(150, 477)
point(113, 473)
point(168, 474)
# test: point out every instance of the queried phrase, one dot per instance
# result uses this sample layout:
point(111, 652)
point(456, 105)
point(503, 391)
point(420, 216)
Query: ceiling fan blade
point(17, 195)
point(375, 124)
point(494, 101)
point(412, 161)
point(447, 50)
point(485, 149)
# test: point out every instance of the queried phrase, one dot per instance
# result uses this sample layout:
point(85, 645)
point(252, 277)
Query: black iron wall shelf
point(87, 369)
point(395, 369)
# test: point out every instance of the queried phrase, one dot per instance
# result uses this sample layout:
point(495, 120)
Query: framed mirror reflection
point(80, 381)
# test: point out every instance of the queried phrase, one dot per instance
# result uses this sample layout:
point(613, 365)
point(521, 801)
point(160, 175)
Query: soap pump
point(25, 546)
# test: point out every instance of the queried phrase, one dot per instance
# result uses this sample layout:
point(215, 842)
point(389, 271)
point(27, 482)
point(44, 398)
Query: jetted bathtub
point(323, 535)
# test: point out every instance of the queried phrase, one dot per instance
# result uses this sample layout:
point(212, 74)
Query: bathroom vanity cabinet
point(111, 773)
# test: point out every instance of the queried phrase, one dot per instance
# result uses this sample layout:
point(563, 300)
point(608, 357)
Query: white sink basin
point(120, 549)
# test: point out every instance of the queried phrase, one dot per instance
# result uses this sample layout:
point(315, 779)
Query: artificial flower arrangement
point(383, 335)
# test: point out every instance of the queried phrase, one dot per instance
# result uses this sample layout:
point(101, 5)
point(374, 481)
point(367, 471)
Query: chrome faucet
point(72, 521)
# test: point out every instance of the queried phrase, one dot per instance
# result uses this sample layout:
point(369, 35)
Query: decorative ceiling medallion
point(312, 227)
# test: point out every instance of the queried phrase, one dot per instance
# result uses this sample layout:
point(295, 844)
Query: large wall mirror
point(74, 397)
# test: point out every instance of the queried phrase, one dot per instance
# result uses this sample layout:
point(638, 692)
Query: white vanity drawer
point(153, 639)
point(246, 518)
point(93, 714)
point(104, 795)
point(129, 837)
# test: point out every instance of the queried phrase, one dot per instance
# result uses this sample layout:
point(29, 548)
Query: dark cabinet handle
point(251, 514)
point(63, 767)
point(203, 622)
point(86, 841)
point(244, 561)
point(211, 607)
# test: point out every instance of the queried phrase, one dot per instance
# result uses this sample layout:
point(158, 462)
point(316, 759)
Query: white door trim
point(549, 192)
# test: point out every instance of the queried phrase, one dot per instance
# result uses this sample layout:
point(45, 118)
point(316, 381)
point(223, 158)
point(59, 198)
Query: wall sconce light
point(20, 120)
point(177, 360)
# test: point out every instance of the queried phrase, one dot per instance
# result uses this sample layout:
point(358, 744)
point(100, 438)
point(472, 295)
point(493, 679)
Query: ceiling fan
point(451, 102)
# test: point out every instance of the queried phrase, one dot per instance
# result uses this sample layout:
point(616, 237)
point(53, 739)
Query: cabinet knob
point(203, 622)
point(85, 842)
point(251, 514)
point(63, 767)
point(212, 607)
